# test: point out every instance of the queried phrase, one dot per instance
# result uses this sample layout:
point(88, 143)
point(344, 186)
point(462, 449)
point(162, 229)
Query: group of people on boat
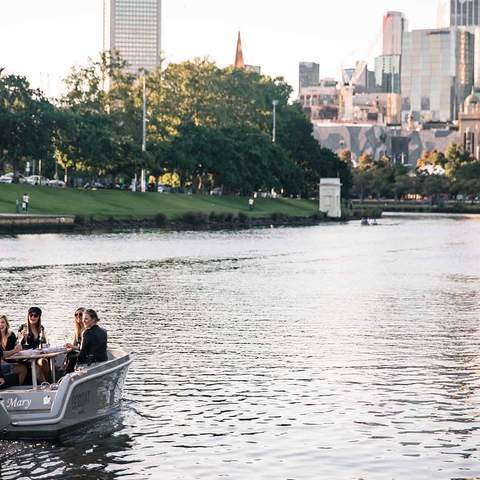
point(88, 345)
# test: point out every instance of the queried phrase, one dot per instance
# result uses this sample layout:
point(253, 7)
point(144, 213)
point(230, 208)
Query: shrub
point(318, 216)
point(195, 219)
point(278, 217)
point(243, 218)
point(160, 219)
point(80, 220)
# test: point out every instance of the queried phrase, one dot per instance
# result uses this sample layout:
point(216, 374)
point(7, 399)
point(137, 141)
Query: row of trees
point(437, 174)
point(207, 127)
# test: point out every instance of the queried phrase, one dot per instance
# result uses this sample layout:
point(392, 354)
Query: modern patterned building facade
point(133, 28)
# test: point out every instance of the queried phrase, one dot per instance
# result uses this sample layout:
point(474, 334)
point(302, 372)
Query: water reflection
point(340, 351)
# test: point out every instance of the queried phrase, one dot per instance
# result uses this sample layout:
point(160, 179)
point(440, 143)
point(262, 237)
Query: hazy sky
point(42, 39)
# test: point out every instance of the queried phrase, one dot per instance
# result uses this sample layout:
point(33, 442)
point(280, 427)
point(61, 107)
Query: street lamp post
point(144, 134)
point(274, 103)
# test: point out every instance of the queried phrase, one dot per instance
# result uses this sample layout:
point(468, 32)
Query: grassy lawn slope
point(125, 205)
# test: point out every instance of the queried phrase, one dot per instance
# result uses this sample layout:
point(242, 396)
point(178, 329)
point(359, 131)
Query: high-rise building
point(394, 24)
point(437, 74)
point(133, 28)
point(458, 13)
point(308, 74)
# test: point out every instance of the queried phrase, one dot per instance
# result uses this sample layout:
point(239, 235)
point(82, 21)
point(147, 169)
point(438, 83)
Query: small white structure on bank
point(330, 195)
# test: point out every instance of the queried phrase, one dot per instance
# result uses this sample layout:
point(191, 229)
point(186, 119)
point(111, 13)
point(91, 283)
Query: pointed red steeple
point(239, 54)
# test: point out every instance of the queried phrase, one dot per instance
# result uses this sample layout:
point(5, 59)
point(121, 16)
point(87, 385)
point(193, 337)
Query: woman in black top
point(8, 343)
point(74, 347)
point(32, 336)
point(94, 341)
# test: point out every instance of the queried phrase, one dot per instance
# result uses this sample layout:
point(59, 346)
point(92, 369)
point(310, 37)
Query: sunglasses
point(78, 314)
point(35, 315)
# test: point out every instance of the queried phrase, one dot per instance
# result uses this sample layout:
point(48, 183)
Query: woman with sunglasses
point(32, 336)
point(74, 347)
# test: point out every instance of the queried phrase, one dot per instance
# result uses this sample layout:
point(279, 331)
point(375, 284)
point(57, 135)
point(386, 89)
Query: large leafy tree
point(26, 123)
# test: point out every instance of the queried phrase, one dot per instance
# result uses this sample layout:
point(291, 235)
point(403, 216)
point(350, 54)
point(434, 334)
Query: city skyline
point(44, 43)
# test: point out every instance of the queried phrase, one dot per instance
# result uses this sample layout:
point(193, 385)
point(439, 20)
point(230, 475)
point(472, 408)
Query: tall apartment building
point(437, 74)
point(133, 28)
point(308, 74)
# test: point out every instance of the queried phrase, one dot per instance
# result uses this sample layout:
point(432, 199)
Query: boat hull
point(86, 395)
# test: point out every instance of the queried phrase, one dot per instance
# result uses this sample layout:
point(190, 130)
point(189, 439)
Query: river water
point(329, 352)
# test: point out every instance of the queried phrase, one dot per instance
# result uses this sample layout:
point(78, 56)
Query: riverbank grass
point(121, 205)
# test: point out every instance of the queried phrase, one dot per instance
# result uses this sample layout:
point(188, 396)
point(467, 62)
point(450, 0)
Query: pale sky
point(42, 39)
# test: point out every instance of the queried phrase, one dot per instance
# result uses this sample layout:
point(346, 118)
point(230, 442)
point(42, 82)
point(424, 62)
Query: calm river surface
point(330, 352)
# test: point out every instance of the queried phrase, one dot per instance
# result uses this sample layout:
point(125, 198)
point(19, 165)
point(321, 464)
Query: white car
point(36, 180)
point(56, 183)
point(8, 178)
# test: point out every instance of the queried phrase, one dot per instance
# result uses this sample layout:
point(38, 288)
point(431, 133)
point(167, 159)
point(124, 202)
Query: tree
point(26, 123)
point(456, 157)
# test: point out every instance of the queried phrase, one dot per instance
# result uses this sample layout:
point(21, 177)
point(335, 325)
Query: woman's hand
point(17, 348)
point(69, 346)
point(2, 381)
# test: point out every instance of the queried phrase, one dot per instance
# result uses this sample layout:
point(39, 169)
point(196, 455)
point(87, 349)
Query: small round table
point(49, 353)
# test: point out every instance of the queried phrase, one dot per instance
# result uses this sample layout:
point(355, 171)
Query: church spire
point(239, 54)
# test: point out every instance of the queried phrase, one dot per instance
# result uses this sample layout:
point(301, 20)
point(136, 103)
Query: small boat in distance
point(89, 393)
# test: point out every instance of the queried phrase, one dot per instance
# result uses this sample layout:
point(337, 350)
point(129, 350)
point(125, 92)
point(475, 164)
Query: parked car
point(93, 186)
point(164, 188)
point(217, 192)
point(10, 177)
point(56, 183)
point(36, 180)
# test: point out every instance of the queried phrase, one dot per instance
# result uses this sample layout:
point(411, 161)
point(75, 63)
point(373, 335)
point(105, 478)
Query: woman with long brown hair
point(9, 346)
point(74, 347)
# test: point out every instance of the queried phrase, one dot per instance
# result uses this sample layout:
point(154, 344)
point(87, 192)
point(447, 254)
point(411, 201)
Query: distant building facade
point(133, 28)
point(469, 125)
point(458, 13)
point(308, 74)
point(320, 102)
point(437, 74)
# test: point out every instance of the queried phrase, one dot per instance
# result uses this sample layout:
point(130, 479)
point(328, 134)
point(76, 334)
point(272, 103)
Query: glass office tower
point(437, 73)
point(133, 28)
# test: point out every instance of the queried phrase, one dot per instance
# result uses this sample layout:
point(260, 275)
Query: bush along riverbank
point(198, 221)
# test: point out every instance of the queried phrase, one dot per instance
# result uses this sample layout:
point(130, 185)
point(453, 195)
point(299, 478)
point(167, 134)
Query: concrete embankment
point(17, 223)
